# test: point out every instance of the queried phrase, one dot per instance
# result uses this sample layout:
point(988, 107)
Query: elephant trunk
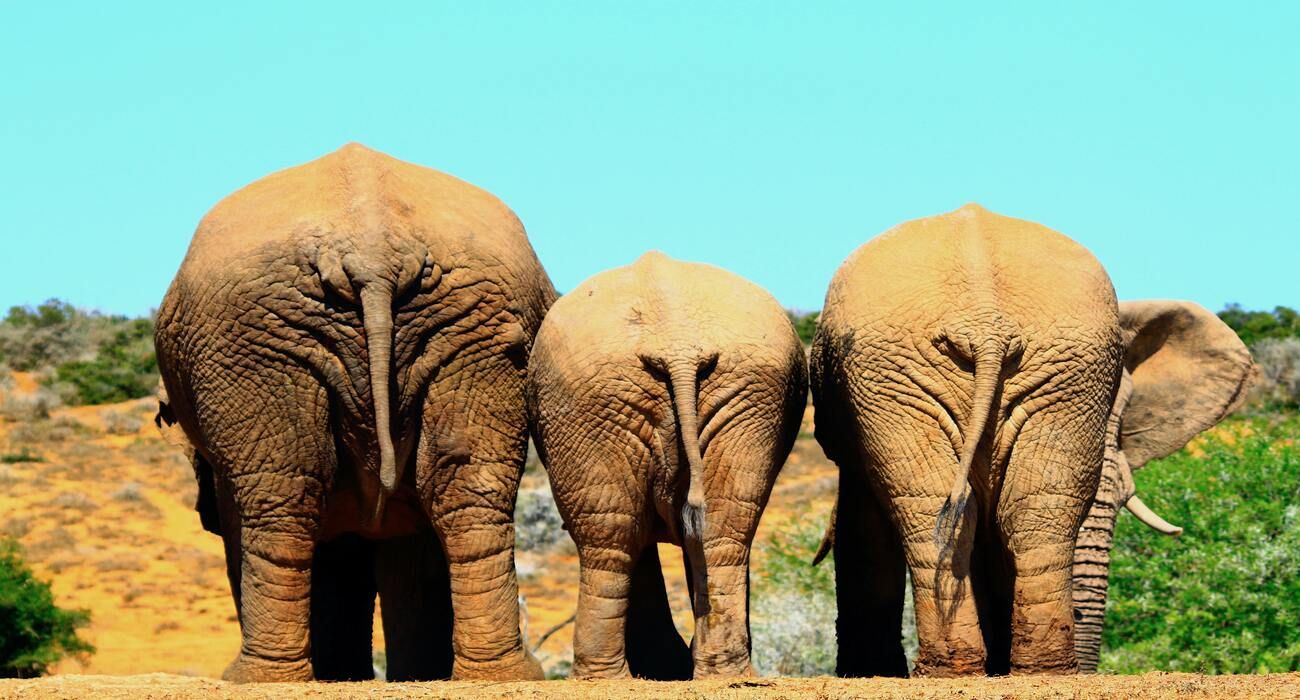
point(684, 389)
point(988, 371)
point(377, 320)
point(1091, 577)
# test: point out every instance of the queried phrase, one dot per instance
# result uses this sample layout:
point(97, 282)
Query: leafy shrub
point(1278, 383)
point(1254, 326)
point(48, 334)
point(34, 632)
point(125, 367)
point(1222, 597)
point(805, 324)
point(91, 358)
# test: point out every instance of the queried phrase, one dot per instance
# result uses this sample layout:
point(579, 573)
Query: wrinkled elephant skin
point(966, 375)
point(665, 396)
point(344, 350)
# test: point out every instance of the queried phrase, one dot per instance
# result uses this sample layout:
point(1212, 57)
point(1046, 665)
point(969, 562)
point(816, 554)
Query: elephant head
point(1184, 371)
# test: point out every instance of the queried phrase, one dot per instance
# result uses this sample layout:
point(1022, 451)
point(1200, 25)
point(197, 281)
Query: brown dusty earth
point(1152, 686)
point(107, 517)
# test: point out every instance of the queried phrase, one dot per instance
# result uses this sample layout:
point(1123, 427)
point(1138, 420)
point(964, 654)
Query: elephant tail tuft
point(988, 370)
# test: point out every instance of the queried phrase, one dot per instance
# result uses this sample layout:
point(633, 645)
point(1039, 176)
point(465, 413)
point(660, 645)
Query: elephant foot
point(519, 667)
point(933, 670)
point(955, 666)
point(249, 669)
point(715, 671)
point(1049, 671)
point(587, 671)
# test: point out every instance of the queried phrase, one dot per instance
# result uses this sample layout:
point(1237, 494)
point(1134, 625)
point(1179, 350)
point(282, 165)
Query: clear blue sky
point(769, 138)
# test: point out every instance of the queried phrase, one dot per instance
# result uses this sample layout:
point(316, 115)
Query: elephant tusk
point(1149, 517)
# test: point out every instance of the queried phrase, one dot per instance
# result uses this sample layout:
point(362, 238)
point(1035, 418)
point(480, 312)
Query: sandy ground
point(1154, 686)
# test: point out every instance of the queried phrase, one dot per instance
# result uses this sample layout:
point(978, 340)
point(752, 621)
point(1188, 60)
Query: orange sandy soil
point(1153, 686)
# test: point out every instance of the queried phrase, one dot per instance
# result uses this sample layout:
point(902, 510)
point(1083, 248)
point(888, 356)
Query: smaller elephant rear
point(664, 398)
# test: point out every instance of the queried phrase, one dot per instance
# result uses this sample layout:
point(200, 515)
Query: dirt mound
point(1152, 686)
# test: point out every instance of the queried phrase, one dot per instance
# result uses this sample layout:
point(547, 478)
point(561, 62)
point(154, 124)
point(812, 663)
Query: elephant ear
point(174, 435)
point(1189, 371)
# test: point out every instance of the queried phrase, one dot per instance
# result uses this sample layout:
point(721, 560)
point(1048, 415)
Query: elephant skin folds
point(344, 348)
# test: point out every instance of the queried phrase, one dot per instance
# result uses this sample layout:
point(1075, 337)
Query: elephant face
point(1184, 371)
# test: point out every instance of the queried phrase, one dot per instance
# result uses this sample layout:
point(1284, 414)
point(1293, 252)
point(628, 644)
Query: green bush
point(90, 358)
point(1222, 598)
point(1254, 326)
point(43, 336)
point(34, 632)
point(805, 324)
point(125, 367)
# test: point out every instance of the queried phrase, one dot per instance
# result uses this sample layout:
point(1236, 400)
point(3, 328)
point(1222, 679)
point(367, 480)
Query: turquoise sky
point(770, 139)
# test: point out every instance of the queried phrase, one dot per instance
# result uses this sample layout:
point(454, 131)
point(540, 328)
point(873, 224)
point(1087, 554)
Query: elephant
point(1184, 371)
point(965, 377)
point(344, 351)
point(664, 398)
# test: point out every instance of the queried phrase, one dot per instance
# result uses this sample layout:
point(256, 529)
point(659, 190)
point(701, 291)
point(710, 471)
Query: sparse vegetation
point(794, 605)
point(1222, 597)
point(87, 357)
point(122, 423)
point(124, 368)
point(22, 455)
point(1277, 386)
point(34, 632)
point(32, 407)
point(538, 525)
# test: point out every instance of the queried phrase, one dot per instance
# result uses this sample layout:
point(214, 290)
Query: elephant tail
point(685, 405)
point(377, 320)
point(683, 377)
point(988, 370)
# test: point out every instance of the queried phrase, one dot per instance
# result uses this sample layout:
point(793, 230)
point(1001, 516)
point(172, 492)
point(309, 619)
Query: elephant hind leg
point(870, 585)
point(415, 595)
point(947, 620)
point(654, 648)
point(343, 610)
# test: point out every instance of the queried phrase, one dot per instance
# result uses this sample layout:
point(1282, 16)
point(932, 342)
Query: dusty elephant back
point(356, 208)
point(362, 194)
point(960, 265)
point(657, 306)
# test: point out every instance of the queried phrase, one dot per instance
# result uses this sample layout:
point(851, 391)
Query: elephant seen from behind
point(344, 351)
point(967, 376)
point(665, 397)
